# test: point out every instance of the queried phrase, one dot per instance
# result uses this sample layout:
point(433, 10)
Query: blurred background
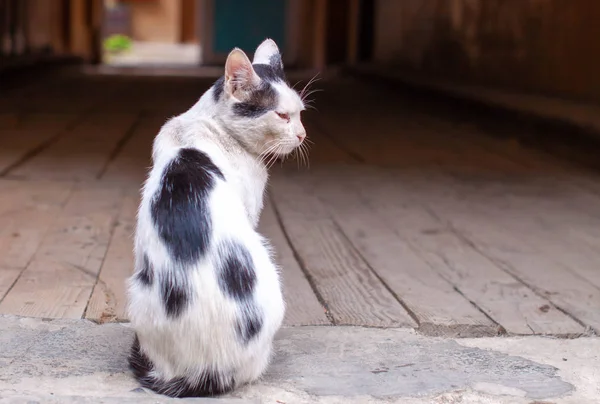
point(453, 183)
point(546, 46)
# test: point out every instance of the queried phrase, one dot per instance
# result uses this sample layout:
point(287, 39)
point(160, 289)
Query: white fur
point(205, 334)
point(265, 51)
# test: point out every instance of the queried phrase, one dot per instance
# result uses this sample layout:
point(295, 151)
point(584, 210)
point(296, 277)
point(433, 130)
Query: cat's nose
point(301, 136)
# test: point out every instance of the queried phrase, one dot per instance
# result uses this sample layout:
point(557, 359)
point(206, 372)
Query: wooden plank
point(350, 290)
point(8, 276)
point(59, 280)
point(573, 256)
point(302, 306)
point(82, 153)
point(32, 206)
point(440, 309)
point(319, 35)
point(563, 226)
point(353, 31)
point(109, 298)
point(26, 212)
point(506, 300)
point(514, 249)
point(131, 165)
point(571, 293)
point(30, 132)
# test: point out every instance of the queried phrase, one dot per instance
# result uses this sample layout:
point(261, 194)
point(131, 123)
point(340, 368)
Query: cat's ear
point(268, 53)
point(240, 77)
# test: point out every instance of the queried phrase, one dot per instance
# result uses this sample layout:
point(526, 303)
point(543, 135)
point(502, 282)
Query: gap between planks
point(302, 305)
point(353, 294)
point(108, 301)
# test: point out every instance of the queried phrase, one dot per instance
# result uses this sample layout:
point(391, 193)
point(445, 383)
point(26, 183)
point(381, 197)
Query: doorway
point(179, 33)
point(151, 33)
point(225, 24)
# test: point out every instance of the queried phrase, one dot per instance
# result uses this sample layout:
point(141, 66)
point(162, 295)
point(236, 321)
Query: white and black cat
point(205, 299)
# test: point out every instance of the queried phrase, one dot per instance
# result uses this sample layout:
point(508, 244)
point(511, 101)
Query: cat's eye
point(283, 116)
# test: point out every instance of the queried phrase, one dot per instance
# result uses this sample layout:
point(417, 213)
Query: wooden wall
point(539, 45)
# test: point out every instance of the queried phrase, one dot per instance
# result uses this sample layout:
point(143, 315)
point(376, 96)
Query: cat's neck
point(204, 113)
point(205, 106)
point(201, 129)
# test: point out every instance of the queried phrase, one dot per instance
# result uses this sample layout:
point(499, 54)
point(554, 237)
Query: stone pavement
point(78, 361)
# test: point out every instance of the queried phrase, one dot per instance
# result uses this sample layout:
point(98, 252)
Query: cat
point(205, 298)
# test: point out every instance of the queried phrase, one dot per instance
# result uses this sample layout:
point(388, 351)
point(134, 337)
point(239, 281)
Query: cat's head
point(256, 103)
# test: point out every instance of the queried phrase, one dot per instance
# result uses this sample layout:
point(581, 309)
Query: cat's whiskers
point(277, 153)
point(304, 149)
point(299, 156)
point(273, 155)
point(296, 158)
point(308, 103)
point(307, 91)
point(272, 161)
point(307, 86)
point(310, 106)
point(266, 151)
point(311, 92)
point(271, 145)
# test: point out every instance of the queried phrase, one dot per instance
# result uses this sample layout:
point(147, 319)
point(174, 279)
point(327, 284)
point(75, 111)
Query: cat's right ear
point(240, 77)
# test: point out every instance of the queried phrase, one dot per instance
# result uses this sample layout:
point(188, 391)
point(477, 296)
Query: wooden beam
point(353, 24)
point(320, 35)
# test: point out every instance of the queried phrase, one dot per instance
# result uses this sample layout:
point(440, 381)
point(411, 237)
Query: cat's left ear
point(268, 53)
point(240, 77)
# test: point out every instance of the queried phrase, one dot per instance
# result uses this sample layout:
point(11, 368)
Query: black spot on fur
point(180, 207)
point(237, 278)
point(210, 383)
point(250, 324)
point(277, 64)
point(270, 72)
point(175, 296)
point(218, 88)
point(139, 363)
point(146, 274)
point(236, 273)
point(260, 101)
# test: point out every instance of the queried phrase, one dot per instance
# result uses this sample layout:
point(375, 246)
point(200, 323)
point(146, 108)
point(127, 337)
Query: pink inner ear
point(238, 68)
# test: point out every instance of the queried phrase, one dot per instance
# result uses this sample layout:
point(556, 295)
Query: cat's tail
point(206, 384)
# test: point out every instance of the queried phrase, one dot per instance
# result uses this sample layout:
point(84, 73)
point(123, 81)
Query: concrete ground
point(77, 361)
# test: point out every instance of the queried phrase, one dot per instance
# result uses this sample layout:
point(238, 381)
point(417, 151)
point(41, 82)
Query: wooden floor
point(407, 217)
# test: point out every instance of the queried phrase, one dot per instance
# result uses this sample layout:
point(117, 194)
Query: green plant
point(117, 43)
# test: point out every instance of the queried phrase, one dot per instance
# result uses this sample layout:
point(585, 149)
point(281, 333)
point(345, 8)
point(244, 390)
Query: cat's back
point(200, 265)
point(194, 239)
